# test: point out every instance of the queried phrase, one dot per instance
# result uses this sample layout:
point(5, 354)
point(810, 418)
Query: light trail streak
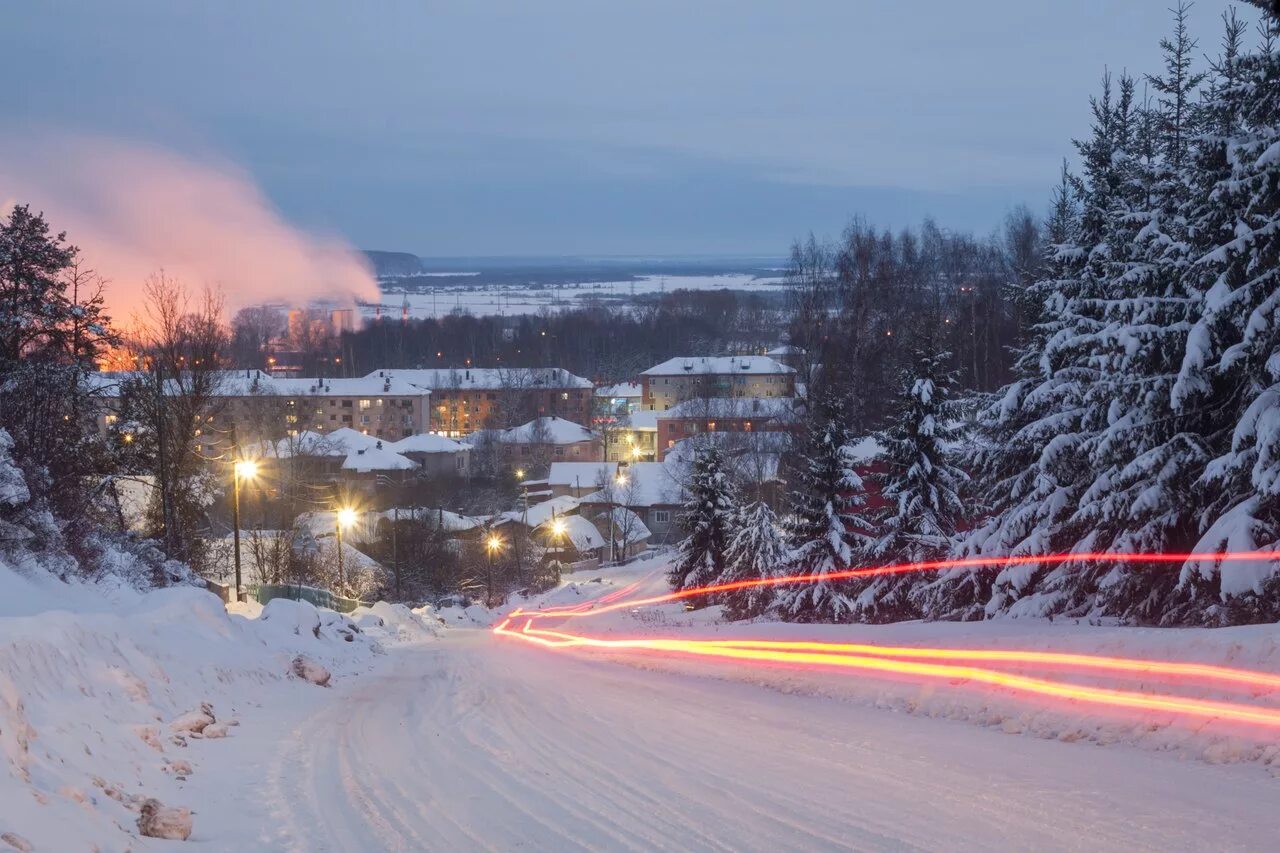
point(908, 568)
point(950, 664)
point(1101, 696)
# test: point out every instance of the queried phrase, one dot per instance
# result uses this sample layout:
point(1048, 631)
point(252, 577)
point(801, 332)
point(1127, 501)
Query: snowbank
point(93, 679)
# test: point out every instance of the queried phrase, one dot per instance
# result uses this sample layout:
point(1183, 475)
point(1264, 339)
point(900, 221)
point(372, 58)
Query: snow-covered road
point(479, 743)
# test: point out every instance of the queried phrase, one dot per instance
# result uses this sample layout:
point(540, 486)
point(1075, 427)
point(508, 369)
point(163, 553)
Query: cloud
point(135, 209)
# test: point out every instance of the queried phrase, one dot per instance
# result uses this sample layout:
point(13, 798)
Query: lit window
point(364, 404)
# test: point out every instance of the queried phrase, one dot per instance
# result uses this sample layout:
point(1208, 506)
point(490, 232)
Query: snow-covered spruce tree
point(921, 487)
point(1147, 456)
point(757, 550)
point(1028, 459)
point(1232, 364)
point(830, 531)
point(709, 518)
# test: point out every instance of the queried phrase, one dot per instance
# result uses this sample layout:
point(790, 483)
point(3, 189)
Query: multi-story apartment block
point(723, 415)
point(679, 379)
point(464, 400)
point(262, 407)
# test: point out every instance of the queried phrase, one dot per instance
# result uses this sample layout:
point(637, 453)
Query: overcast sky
point(600, 126)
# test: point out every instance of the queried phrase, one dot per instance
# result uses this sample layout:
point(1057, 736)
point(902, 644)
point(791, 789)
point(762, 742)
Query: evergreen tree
point(1232, 363)
point(709, 519)
point(757, 550)
point(922, 489)
point(830, 531)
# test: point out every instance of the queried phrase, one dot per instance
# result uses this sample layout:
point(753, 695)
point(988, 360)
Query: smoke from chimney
point(135, 209)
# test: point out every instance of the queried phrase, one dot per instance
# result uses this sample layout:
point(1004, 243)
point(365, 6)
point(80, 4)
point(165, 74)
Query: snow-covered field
point(457, 739)
point(486, 300)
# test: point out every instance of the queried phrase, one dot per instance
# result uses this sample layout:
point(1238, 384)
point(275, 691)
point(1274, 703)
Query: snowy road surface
point(476, 743)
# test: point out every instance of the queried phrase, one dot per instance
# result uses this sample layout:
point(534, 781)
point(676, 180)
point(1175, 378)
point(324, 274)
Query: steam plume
point(134, 209)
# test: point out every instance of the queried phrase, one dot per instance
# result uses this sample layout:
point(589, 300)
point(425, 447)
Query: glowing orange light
point(1104, 696)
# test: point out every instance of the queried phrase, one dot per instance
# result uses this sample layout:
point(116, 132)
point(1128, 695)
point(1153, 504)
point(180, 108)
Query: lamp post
point(492, 544)
point(345, 518)
point(242, 469)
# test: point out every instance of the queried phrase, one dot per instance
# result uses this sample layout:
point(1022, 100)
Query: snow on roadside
point(1254, 647)
point(108, 700)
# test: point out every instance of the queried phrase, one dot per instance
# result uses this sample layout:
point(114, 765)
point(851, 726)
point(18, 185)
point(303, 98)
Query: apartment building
point(260, 406)
point(464, 400)
point(678, 379)
point(723, 415)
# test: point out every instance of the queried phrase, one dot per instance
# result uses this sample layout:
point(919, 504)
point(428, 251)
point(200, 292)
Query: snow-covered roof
point(488, 378)
point(648, 484)
point(440, 519)
point(765, 408)
point(644, 421)
point(306, 443)
point(540, 512)
point(582, 533)
point(350, 439)
point(628, 528)
point(426, 442)
point(581, 474)
point(736, 364)
point(246, 383)
point(107, 384)
point(622, 389)
point(546, 430)
point(376, 458)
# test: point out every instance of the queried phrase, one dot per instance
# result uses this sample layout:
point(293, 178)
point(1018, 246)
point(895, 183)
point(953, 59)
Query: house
point(579, 478)
point(678, 379)
point(376, 464)
point(651, 490)
point(621, 399)
point(623, 530)
point(570, 539)
point(539, 513)
point(545, 440)
point(725, 415)
point(464, 400)
point(435, 455)
point(631, 438)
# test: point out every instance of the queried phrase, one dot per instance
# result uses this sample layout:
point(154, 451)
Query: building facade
point(464, 400)
point(679, 379)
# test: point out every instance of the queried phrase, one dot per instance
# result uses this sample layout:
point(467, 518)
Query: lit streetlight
point(491, 544)
point(241, 469)
point(346, 517)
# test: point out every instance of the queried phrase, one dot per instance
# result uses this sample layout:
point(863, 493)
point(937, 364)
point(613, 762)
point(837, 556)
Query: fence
point(297, 592)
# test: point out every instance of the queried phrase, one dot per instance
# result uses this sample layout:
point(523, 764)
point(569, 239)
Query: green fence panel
point(297, 592)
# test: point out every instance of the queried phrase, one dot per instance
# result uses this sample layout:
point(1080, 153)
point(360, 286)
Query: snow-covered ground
point(106, 695)
point(460, 739)
point(505, 300)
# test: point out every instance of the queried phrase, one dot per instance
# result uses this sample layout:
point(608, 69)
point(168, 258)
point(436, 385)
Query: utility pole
point(395, 551)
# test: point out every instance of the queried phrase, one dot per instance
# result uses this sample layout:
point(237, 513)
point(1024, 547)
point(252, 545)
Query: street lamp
point(491, 544)
point(345, 518)
point(241, 469)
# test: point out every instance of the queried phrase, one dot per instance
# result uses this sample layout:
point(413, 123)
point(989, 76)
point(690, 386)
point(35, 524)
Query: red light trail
point(909, 568)
point(949, 664)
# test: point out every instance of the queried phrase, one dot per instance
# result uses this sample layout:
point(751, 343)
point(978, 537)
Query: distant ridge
point(393, 263)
